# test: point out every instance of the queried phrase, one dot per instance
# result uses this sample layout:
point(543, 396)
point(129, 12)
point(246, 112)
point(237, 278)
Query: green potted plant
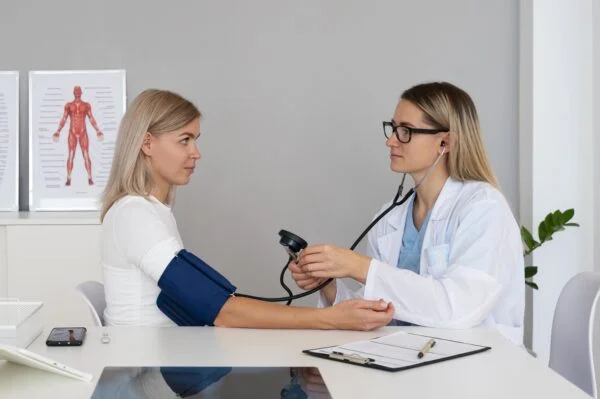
point(553, 222)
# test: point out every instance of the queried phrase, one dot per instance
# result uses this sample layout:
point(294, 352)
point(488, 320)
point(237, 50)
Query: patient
point(155, 152)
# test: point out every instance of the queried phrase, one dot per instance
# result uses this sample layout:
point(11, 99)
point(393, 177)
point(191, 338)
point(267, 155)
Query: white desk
point(504, 372)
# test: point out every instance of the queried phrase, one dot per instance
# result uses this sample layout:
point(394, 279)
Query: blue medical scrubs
point(410, 251)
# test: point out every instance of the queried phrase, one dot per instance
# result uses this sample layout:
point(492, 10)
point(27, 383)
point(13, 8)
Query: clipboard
point(397, 352)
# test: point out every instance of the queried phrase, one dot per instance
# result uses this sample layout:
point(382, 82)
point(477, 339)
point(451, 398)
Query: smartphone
point(66, 336)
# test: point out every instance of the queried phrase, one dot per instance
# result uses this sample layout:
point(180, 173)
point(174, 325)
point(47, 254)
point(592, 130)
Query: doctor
point(449, 257)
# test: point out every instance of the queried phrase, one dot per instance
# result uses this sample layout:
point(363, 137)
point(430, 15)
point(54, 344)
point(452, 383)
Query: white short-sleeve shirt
point(139, 238)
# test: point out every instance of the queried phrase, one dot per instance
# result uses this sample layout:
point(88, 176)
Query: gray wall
point(293, 95)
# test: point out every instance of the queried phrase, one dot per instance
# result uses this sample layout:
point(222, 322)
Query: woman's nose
point(392, 141)
point(196, 152)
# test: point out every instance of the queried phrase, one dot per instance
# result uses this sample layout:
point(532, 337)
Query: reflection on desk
point(209, 382)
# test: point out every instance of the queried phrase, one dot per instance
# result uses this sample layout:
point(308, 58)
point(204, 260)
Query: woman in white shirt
point(451, 256)
point(155, 152)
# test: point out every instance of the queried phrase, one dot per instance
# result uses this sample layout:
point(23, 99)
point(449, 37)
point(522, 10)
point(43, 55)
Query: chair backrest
point(572, 342)
point(93, 294)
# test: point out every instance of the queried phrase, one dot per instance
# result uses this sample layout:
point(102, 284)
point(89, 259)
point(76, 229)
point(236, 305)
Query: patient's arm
point(355, 314)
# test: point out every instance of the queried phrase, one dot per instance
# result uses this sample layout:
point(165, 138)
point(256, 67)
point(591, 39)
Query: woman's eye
point(185, 140)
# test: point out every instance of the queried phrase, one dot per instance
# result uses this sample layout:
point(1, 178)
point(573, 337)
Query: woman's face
point(421, 151)
point(172, 156)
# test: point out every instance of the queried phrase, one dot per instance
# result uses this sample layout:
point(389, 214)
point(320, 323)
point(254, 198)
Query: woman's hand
point(302, 279)
point(326, 261)
point(360, 314)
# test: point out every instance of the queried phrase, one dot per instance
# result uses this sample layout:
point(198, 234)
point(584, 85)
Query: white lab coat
point(472, 270)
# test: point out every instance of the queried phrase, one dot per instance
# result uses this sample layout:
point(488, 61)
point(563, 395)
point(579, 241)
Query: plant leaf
point(549, 222)
point(553, 222)
point(542, 232)
point(530, 271)
point(527, 238)
point(567, 215)
point(532, 284)
point(557, 218)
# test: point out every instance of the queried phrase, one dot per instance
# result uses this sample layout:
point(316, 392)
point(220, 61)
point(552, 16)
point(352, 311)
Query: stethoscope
point(294, 244)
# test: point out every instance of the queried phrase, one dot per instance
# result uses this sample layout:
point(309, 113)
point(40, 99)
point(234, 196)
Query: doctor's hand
point(318, 261)
point(360, 314)
point(302, 279)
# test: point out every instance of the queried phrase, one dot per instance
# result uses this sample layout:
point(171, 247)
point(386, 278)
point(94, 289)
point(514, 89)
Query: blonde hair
point(153, 111)
point(448, 107)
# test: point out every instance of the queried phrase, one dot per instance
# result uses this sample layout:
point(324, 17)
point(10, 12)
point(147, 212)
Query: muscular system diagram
point(77, 111)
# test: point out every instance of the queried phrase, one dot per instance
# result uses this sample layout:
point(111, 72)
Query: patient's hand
point(360, 314)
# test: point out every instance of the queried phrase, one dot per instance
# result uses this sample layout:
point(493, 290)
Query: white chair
point(93, 295)
point(572, 343)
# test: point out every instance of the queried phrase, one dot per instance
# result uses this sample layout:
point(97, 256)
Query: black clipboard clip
point(352, 358)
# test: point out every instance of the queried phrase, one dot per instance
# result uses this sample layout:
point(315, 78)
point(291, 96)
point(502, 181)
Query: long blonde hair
point(448, 107)
point(153, 111)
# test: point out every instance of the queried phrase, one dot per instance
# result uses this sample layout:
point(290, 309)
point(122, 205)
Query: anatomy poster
point(9, 141)
point(74, 118)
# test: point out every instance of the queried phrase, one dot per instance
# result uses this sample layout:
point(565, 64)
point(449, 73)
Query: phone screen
point(66, 336)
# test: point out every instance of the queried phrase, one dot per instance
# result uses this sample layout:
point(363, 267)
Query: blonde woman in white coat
point(449, 257)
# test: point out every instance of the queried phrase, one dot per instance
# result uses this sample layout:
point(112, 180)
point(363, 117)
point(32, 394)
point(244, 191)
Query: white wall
point(526, 139)
point(557, 160)
point(596, 128)
point(3, 264)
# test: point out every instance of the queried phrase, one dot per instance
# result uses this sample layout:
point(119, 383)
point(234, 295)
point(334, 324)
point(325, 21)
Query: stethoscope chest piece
point(292, 243)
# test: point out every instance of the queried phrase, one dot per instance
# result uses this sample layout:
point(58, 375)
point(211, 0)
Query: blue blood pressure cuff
point(192, 292)
point(188, 381)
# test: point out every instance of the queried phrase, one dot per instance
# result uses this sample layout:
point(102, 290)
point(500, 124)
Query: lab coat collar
point(441, 209)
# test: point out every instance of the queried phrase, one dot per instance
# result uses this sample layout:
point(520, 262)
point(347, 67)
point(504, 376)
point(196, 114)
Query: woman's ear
point(147, 144)
point(445, 143)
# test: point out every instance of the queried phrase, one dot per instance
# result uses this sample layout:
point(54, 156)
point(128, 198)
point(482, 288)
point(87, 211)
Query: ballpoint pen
point(430, 344)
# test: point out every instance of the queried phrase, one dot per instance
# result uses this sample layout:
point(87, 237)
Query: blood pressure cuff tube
point(192, 292)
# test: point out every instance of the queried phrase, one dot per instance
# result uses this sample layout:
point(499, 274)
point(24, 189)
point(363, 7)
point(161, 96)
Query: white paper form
point(399, 350)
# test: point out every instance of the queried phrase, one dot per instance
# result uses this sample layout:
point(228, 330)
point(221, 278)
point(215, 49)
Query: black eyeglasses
point(404, 133)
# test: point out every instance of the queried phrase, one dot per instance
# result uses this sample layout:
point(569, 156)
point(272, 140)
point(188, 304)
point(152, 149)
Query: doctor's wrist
point(329, 292)
point(361, 270)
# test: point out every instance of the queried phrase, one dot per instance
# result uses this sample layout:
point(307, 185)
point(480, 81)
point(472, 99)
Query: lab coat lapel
point(435, 233)
point(446, 200)
point(391, 241)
